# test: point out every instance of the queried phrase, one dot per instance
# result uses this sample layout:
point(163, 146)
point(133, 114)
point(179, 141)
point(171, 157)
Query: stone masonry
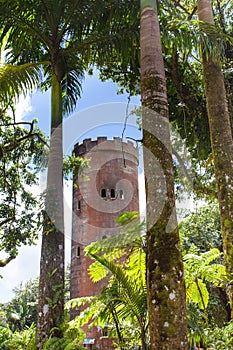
point(108, 189)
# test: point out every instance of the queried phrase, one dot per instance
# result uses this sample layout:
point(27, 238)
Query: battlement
point(103, 143)
point(109, 189)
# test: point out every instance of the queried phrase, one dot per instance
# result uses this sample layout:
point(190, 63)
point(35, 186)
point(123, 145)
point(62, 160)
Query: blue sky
point(94, 92)
point(99, 112)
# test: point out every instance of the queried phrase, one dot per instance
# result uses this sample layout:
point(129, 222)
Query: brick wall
point(109, 189)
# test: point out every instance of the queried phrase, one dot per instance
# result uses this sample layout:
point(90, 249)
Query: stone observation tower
point(108, 189)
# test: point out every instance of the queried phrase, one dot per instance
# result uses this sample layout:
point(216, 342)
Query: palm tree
point(61, 33)
point(44, 32)
point(221, 137)
point(165, 277)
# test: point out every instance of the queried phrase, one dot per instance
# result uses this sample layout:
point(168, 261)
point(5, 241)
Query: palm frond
point(72, 88)
point(17, 80)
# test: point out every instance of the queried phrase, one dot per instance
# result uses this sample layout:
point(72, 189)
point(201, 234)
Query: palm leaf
point(17, 80)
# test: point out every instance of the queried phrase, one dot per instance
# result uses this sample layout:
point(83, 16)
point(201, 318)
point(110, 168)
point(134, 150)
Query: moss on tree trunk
point(165, 278)
point(222, 144)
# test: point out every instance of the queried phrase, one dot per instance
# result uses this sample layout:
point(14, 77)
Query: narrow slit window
point(121, 194)
point(105, 332)
point(78, 251)
point(113, 194)
point(79, 205)
point(103, 193)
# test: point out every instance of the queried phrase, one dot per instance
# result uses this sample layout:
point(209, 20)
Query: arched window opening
point(121, 194)
point(113, 193)
point(103, 193)
point(78, 252)
point(105, 332)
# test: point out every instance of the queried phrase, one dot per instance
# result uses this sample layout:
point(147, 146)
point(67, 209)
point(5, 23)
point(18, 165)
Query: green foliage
point(124, 244)
point(122, 303)
point(21, 150)
point(74, 165)
point(86, 34)
point(219, 338)
point(196, 324)
point(181, 34)
point(21, 312)
point(94, 311)
point(130, 236)
point(24, 340)
point(71, 340)
point(123, 263)
point(131, 288)
point(202, 229)
point(201, 274)
point(200, 269)
point(17, 80)
point(205, 280)
point(218, 309)
point(34, 46)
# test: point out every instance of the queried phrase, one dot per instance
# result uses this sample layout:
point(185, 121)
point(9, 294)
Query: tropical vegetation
point(178, 55)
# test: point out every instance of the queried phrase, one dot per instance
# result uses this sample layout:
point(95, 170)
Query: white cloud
point(21, 269)
point(23, 107)
point(25, 267)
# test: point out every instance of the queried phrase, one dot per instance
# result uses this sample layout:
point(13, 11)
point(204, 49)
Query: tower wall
point(108, 189)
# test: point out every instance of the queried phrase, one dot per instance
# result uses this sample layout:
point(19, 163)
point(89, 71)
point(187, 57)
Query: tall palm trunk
point(221, 142)
point(51, 288)
point(165, 278)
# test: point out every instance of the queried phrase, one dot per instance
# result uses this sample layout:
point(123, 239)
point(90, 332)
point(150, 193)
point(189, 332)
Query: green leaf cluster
point(200, 269)
point(17, 80)
point(21, 150)
point(202, 229)
point(24, 340)
point(220, 338)
point(71, 340)
point(123, 300)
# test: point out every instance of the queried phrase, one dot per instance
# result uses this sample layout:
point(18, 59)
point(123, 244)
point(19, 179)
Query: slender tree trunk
point(51, 287)
point(221, 142)
point(165, 277)
point(143, 339)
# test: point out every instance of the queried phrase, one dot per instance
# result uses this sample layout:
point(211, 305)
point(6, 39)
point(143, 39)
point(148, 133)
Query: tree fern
point(198, 270)
point(122, 299)
point(130, 293)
